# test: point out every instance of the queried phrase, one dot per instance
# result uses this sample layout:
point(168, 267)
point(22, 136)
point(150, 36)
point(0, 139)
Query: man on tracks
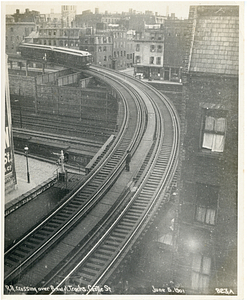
point(127, 161)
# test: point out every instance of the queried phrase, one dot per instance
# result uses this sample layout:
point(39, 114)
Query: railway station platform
point(39, 173)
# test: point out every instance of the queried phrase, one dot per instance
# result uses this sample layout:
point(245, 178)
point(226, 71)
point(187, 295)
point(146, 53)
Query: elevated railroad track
point(73, 248)
point(25, 251)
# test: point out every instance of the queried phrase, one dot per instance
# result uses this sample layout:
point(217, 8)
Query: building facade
point(68, 13)
point(160, 50)
point(149, 52)
point(99, 44)
point(206, 228)
point(60, 37)
point(16, 33)
point(120, 42)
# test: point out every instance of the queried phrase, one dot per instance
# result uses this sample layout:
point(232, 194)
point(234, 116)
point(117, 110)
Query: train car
point(72, 57)
point(36, 52)
point(59, 55)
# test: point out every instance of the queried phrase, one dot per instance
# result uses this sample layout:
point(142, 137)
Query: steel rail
point(52, 238)
point(73, 195)
point(168, 175)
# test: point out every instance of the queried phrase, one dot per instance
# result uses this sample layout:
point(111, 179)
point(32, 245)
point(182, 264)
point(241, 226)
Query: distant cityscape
point(150, 43)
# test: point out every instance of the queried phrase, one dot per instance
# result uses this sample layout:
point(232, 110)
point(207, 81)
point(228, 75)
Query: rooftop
point(215, 40)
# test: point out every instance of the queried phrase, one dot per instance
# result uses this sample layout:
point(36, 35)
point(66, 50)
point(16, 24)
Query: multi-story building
point(68, 13)
point(130, 49)
point(99, 44)
point(174, 47)
point(60, 37)
point(160, 50)
point(119, 55)
point(206, 228)
point(87, 19)
point(27, 16)
point(15, 34)
point(111, 18)
point(149, 52)
point(108, 45)
point(52, 20)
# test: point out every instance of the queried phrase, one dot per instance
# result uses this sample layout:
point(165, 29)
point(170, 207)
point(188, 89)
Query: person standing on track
point(127, 161)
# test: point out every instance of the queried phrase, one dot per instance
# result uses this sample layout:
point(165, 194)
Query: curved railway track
point(94, 257)
point(23, 254)
point(95, 261)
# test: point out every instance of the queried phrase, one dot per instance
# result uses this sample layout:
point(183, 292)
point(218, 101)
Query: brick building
point(174, 47)
point(160, 50)
point(60, 37)
point(109, 46)
point(149, 52)
point(120, 42)
point(206, 227)
point(99, 43)
point(87, 19)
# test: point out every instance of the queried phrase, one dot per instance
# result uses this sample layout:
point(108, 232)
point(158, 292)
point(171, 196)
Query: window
point(105, 58)
point(206, 203)
point(137, 47)
point(158, 60)
point(151, 60)
point(214, 129)
point(152, 48)
point(138, 59)
point(104, 48)
point(159, 49)
point(201, 266)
